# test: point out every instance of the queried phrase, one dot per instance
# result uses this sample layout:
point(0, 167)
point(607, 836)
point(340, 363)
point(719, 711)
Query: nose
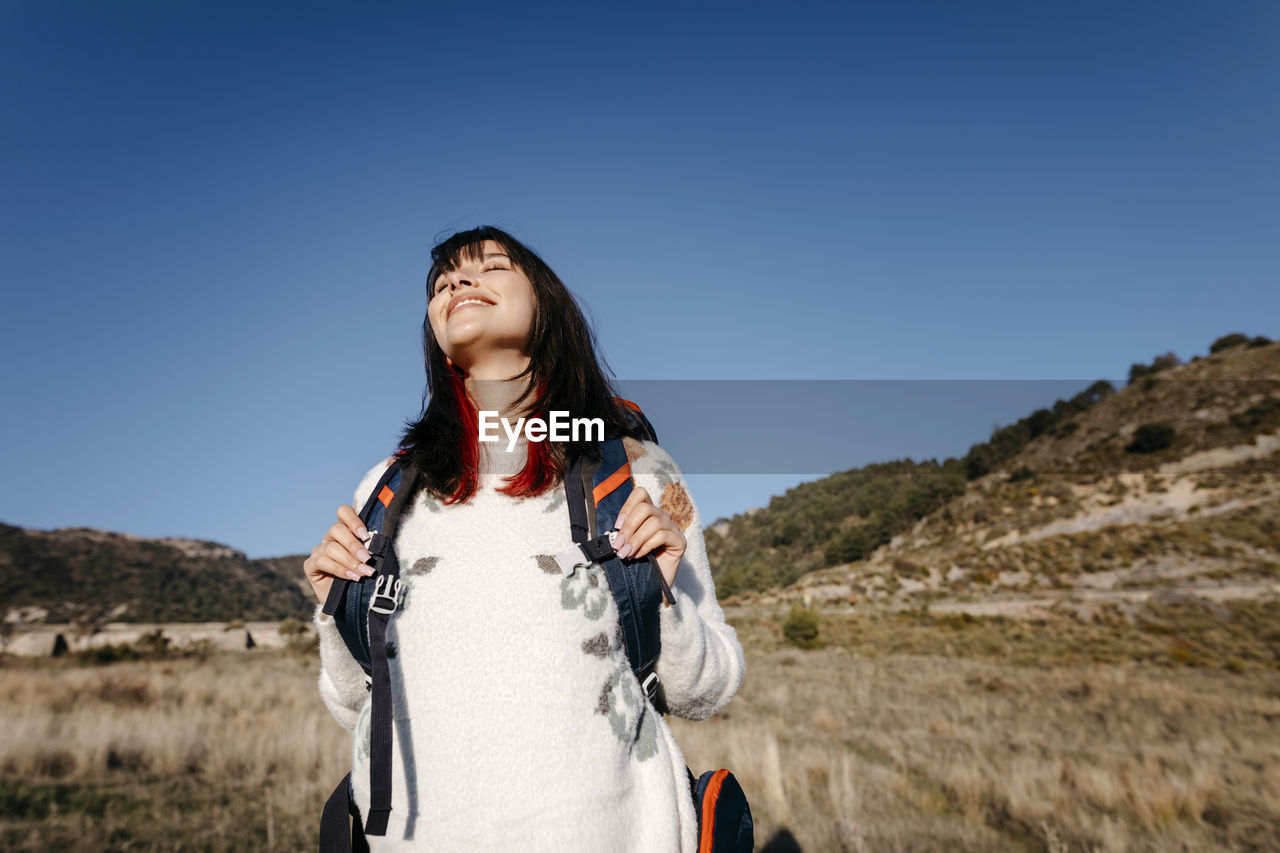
point(461, 281)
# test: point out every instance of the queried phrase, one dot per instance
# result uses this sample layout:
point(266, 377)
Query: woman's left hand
point(644, 528)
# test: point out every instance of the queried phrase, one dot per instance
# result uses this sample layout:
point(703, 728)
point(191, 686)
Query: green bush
point(290, 627)
point(908, 569)
point(1067, 429)
point(851, 545)
point(1159, 363)
point(1259, 417)
point(1151, 437)
point(307, 644)
point(1022, 473)
point(801, 629)
point(298, 637)
point(107, 654)
point(1234, 339)
point(153, 644)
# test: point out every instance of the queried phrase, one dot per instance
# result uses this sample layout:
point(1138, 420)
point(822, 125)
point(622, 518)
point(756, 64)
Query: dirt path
point(1028, 607)
point(1038, 606)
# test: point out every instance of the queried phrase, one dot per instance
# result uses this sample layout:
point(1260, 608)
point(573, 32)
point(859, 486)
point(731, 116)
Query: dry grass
point(929, 753)
point(232, 752)
point(836, 750)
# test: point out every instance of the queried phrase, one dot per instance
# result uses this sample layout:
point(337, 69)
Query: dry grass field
point(923, 736)
point(905, 732)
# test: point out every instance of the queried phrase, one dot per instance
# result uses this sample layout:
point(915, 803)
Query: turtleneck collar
point(497, 461)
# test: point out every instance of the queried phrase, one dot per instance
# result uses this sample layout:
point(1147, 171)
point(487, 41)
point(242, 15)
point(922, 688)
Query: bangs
point(466, 246)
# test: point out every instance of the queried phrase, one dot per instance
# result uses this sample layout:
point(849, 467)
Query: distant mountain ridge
point(1091, 491)
point(85, 576)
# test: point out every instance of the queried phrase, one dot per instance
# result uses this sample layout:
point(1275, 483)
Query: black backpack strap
point(363, 629)
point(597, 484)
point(338, 832)
point(348, 601)
point(385, 600)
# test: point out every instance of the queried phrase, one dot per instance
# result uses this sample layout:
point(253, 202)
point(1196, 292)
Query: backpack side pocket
point(724, 816)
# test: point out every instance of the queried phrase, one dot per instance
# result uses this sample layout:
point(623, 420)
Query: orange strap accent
point(617, 478)
point(709, 810)
point(386, 495)
point(628, 404)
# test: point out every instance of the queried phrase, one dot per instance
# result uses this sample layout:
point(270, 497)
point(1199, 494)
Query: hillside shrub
point(1149, 438)
point(1234, 339)
point(1159, 363)
point(1258, 418)
point(908, 569)
point(851, 545)
point(1007, 442)
point(307, 645)
point(153, 644)
point(107, 654)
point(801, 629)
point(290, 627)
point(298, 637)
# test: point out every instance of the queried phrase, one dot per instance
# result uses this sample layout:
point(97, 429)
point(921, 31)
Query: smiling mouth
point(466, 302)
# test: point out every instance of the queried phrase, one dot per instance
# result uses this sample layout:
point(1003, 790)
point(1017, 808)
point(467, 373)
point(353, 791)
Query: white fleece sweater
point(518, 724)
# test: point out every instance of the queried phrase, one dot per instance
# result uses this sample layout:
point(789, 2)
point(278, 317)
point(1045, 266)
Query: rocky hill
point(1170, 486)
point(84, 576)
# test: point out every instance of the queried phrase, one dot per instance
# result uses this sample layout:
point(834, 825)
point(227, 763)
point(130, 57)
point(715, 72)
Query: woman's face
point(482, 308)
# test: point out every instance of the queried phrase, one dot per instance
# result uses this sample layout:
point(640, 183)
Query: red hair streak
point(538, 474)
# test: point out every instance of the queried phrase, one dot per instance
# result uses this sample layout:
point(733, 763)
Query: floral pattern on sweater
point(585, 587)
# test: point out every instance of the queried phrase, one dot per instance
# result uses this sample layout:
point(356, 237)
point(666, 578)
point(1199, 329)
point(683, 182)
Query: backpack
point(362, 609)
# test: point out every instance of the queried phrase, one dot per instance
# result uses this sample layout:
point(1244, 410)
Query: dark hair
point(564, 374)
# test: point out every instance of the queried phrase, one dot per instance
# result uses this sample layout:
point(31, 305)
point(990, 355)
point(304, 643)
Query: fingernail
point(617, 525)
point(365, 570)
point(624, 550)
point(362, 555)
point(353, 576)
point(362, 533)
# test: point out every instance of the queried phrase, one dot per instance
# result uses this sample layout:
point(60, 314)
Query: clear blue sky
point(217, 218)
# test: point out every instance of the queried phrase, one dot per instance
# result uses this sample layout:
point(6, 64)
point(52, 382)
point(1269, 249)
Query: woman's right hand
point(341, 553)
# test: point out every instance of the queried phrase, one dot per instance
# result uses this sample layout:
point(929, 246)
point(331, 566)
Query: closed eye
point(443, 283)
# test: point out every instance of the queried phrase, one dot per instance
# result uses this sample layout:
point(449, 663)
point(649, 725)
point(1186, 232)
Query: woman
point(519, 722)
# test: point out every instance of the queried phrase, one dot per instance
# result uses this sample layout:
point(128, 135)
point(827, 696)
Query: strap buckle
point(388, 588)
point(599, 549)
point(377, 544)
point(650, 685)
